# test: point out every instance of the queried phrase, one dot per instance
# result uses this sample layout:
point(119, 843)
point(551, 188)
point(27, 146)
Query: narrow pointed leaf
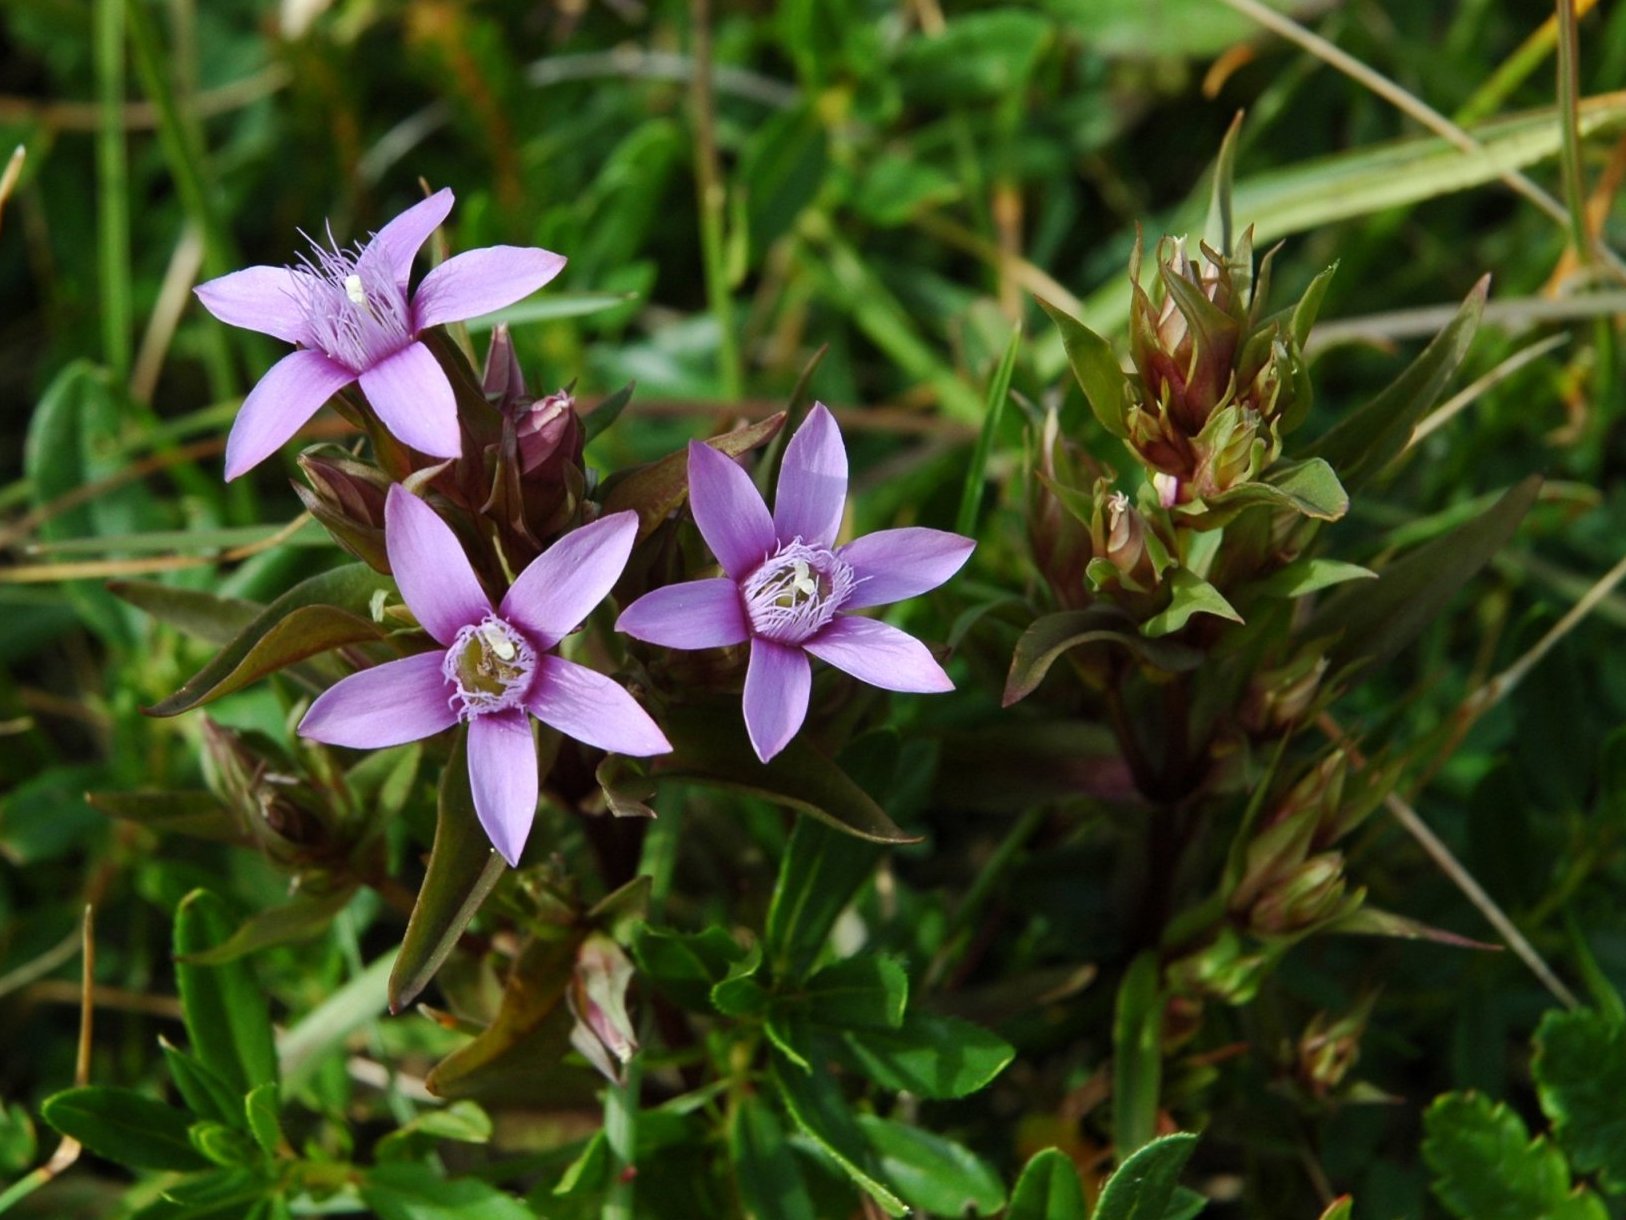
point(123, 1126)
point(1375, 620)
point(714, 748)
point(770, 1182)
point(224, 1006)
point(815, 1103)
point(976, 475)
point(302, 917)
point(205, 616)
point(1361, 444)
point(462, 871)
point(1048, 638)
point(1099, 374)
point(317, 614)
point(932, 1174)
point(659, 489)
point(819, 873)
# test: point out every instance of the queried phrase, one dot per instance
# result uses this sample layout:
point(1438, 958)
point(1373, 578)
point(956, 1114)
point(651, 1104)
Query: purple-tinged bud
point(1329, 1049)
point(543, 426)
point(502, 380)
point(1058, 528)
point(274, 811)
point(347, 497)
point(597, 997)
point(1278, 697)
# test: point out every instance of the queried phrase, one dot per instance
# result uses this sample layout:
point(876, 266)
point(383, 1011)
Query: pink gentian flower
point(788, 587)
point(353, 319)
point(493, 666)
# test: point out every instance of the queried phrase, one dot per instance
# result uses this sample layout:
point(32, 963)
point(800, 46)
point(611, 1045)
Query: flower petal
point(560, 587)
point(403, 237)
point(479, 281)
point(695, 614)
point(731, 515)
point(881, 655)
point(502, 776)
point(894, 564)
point(410, 392)
point(777, 684)
point(584, 704)
point(387, 705)
point(812, 482)
point(266, 299)
point(292, 391)
point(428, 563)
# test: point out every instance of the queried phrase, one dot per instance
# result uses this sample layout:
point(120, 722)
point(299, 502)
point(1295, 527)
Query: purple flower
point(353, 318)
point(788, 585)
point(493, 666)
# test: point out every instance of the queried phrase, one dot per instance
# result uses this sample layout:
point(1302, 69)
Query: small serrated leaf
point(1580, 1070)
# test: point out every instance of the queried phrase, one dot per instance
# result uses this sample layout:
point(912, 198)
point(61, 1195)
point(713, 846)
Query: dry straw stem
point(96, 569)
point(1453, 868)
point(67, 1152)
point(1413, 106)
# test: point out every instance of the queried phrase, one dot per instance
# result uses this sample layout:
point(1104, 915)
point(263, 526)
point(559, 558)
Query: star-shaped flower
point(353, 318)
point(789, 589)
point(493, 666)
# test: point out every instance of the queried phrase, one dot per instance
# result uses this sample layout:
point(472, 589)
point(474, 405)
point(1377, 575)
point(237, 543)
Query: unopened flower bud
point(502, 380)
point(1313, 894)
point(597, 997)
point(1328, 1049)
point(1279, 696)
point(347, 497)
point(1228, 970)
point(273, 810)
point(543, 426)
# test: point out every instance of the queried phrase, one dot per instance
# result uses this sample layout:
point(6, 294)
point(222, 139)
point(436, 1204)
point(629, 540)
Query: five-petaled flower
point(351, 315)
point(492, 666)
point(788, 586)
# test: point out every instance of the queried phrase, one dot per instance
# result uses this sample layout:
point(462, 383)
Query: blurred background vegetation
point(737, 185)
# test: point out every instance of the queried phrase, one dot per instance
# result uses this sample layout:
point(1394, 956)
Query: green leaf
point(868, 992)
point(1048, 1189)
point(463, 868)
point(594, 422)
point(1310, 488)
point(659, 489)
point(1051, 636)
point(18, 1143)
point(302, 917)
point(1144, 1186)
point(815, 1104)
point(126, 1127)
point(550, 308)
point(1342, 1208)
point(1220, 230)
point(206, 1094)
point(1307, 575)
point(406, 1191)
point(1137, 1056)
point(224, 1006)
point(200, 814)
point(221, 1194)
point(1099, 374)
point(1377, 620)
point(770, 1182)
point(979, 55)
point(819, 874)
point(223, 1145)
point(1580, 1070)
point(261, 1107)
point(714, 748)
point(1486, 1166)
point(930, 1056)
point(1191, 594)
point(324, 1028)
point(317, 614)
point(518, 1055)
point(205, 616)
point(1369, 438)
point(976, 474)
point(462, 1121)
point(932, 1174)
point(686, 965)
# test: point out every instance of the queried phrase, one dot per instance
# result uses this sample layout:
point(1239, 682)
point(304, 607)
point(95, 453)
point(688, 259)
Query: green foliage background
point(894, 181)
